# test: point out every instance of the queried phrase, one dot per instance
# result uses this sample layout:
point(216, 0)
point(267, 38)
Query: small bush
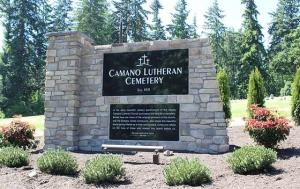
point(19, 133)
point(2, 115)
point(2, 142)
point(13, 157)
point(57, 162)
point(256, 90)
point(17, 108)
point(186, 172)
point(103, 168)
point(286, 90)
point(250, 159)
point(265, 128)
point(225, 92)
point(296, 98)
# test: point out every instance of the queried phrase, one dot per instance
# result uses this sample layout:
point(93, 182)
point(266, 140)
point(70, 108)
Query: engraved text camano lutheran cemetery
point(146, 73)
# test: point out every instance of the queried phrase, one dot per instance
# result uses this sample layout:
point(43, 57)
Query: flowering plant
point(18, 133)
point(266, 128)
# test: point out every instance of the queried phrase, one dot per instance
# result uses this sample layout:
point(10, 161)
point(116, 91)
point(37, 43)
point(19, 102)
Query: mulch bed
point(141, 173)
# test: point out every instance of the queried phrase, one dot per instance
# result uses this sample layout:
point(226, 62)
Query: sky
point(233, 11)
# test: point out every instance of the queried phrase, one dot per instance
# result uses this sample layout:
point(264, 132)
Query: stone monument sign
point(148, 93)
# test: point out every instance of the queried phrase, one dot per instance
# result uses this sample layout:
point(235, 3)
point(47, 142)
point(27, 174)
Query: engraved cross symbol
point(144, 61)
point(140, 62)
point(144, 58)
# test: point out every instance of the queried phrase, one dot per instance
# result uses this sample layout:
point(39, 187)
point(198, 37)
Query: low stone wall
point(77, 115)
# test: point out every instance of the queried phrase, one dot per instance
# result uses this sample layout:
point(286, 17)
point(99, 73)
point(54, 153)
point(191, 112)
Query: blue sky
point(233, 10)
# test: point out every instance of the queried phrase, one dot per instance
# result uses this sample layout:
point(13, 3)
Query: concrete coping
point(150, 43)
point(66, 33)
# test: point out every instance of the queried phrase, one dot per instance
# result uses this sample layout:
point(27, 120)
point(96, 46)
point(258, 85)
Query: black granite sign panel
point(162, 72)
point(144, 122)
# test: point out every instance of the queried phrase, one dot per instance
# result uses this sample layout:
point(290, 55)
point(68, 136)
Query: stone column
point(62, 88)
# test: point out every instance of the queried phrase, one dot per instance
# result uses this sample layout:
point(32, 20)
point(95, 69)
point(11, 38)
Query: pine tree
point(256, 90)
point(253, 52)
point(215, 30)
point(158, 31)
point(62, 20)
point(138, 22)
point(180, 29)
point(232, 58)
point(130, 20)
point(225, 92)
point(193, 32)
point(121, 18)
point(285, 20)
point(296, 98)
point(94, 19)
point(24, 52)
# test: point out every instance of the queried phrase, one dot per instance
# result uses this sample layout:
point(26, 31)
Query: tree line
point(240, 52)
point(22, 64)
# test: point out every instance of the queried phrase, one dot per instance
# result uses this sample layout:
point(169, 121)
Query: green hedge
point(103, 168)
point(13, 157)
point(186, 172)
point(251, 159)
point(57, 162)
point(296, 98)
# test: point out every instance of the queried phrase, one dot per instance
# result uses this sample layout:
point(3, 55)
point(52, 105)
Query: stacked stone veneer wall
point(77, 115)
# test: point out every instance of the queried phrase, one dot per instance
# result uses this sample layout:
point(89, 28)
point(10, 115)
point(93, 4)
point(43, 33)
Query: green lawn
point(279, 104)
point(36, 121)
point(238, 108)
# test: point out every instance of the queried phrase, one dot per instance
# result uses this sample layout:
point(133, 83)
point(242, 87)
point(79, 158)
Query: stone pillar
point(62, 88)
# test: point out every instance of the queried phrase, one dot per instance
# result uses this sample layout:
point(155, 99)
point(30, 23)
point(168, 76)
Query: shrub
point(265, 128)
point(19, 133)
point(256, 90)
point(37, 103)
point(2, 141)
point(250, 159)
point(17, 108)
point(296, 98)
point(286, 90)
point(13, 157)
point(186, 172)
point(225, 92)
point(57, 162)
point(2, 115)
point(103, 168)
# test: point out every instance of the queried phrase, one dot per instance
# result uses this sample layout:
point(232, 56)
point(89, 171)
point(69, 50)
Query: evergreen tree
point(24, 52)
point(130, 20)
point(193, 32)
point(180, 29)
point(121, 18)
point(232, 58)
point(62, 20)
point(296, 98)
point(158, 31)
point(285, 20)
point(94, 19)
point(286, 61)
point(138, 23)
point(253, 52)
point(225, 92)
point(256, 90)
point(215, 30)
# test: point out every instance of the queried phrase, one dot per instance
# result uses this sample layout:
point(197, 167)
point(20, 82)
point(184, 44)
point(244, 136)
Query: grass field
point(36, 121)
point(238, 108)
point(279, 104)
